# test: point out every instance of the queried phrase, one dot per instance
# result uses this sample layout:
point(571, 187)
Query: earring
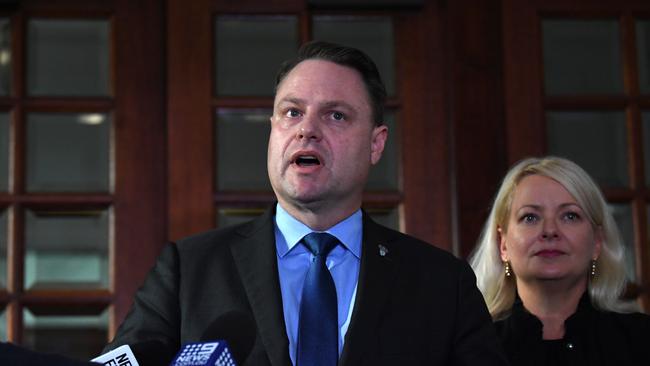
point(593, 268)
point(506, 268)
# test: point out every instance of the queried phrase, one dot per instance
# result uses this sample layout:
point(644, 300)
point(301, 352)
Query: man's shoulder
point(410, 248)
point(224, 236)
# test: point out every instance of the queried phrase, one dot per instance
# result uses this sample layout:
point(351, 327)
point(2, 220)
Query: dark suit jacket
point(415, 305)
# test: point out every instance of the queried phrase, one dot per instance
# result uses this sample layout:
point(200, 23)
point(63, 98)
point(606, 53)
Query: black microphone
point(228, 340)
point(11, 354)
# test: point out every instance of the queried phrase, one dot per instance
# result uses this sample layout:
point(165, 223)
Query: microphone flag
point(214, 353)
point(121, 356)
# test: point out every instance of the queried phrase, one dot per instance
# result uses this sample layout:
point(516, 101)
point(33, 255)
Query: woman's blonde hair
point(604, 288)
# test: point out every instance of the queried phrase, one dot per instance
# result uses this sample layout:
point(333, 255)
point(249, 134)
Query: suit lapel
point(255, 258)
point(375, 278)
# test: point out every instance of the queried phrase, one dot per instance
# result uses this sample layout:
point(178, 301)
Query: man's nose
point(308, 129)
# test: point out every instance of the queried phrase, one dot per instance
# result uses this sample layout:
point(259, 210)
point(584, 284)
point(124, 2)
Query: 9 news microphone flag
point(214, 353)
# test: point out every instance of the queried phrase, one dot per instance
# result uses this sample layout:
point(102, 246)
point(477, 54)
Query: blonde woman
point(550, 266)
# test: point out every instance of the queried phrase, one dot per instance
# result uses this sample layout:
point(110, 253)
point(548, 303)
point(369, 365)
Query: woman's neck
point(552, 302)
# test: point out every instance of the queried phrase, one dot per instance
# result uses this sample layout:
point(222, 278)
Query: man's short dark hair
point(344, 56)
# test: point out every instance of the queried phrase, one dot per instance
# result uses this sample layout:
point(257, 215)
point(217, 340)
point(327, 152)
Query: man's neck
point(319, 218)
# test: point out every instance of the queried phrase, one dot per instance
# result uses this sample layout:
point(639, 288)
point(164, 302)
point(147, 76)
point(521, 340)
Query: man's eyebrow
point(292, 100)
point(338, 103)
point(328, 104)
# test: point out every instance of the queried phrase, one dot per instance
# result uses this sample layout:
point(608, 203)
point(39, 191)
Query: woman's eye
point(528, 218)
point(571, 216)
point(338, 116)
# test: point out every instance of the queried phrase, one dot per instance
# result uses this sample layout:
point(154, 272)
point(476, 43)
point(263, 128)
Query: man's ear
point(378, 142)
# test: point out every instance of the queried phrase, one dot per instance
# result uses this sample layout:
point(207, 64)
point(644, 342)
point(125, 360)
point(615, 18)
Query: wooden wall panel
point(140, 186)
point(189, 117)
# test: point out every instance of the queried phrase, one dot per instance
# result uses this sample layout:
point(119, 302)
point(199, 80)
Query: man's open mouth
point(307, 160)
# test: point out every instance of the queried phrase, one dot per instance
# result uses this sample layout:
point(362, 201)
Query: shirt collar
point(348, 231)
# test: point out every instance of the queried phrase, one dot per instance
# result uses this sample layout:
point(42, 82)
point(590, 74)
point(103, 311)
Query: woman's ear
point(503, 248)
point(599, 238)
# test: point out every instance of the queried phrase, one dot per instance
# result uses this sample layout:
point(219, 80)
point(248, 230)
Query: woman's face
point(548, 237)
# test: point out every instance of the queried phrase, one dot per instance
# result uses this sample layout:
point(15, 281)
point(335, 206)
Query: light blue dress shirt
point(294, 260)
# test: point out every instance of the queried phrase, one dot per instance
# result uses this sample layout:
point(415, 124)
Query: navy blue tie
point(318, 325)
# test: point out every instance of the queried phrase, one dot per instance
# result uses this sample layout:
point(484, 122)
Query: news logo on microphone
point(204, 354)
point(121, 356)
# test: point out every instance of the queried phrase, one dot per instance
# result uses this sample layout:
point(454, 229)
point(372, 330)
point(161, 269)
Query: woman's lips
point(549, 253)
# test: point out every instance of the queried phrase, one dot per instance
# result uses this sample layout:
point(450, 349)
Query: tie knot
point(320, 244)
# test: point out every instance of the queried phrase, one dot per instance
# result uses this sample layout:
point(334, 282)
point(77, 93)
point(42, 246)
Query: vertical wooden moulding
point(424, 124)
point(476, 113)
point(635, 153)
point(139, 202)
point(523, 76)
point(15, 240)
point(190, 117)
point(305, 27)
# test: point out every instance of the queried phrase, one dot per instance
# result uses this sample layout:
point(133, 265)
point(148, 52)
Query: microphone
point(14, 355)
point(121, 356)
point(226, 341)
point(143, 353)
point(203, 354)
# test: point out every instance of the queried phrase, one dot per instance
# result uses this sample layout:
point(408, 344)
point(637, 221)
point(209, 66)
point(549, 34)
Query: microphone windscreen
point(238, 329)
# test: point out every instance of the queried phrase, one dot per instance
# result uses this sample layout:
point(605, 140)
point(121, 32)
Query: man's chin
point(302, 200)
point(307, 200)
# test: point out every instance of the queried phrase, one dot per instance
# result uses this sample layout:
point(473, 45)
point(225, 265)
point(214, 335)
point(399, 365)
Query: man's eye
point(293, 113)
point(338, 116)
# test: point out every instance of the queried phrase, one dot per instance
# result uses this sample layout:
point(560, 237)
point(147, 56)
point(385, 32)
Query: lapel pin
point(382, 250)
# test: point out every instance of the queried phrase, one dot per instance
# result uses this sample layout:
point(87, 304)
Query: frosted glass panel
point(242, 138)
point(68, 152)
point(77, 336)
point(68, 57)
point(3, 325)
point(594, 140)
point(232, 216)
point(582, 57)
point(383, 176)
point(373, 35)
point(4, 150)
point(388, 217)
point(249, 51)
point(66, 249)
point(623, 216)
point(643, 50)
point(5, 56)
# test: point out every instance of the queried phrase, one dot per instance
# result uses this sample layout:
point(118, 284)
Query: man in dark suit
point(322, 283)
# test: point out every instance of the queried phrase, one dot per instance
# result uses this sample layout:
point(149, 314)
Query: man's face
point(323, 139)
